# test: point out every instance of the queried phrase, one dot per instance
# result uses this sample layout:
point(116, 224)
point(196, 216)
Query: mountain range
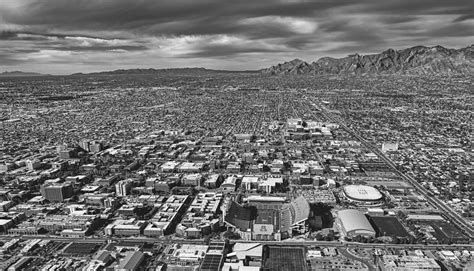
point(418, 60)
point(20, 74)
point(183, 71)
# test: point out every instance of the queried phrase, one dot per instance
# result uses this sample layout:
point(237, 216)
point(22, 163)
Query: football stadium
point(274, 221)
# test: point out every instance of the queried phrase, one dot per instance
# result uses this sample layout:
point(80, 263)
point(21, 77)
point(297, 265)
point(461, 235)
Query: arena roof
point(362, 193)
point(355, 222)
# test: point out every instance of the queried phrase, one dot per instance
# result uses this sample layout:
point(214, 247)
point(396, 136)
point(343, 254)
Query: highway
point(361, 245)
point(453, 216)
point(103, 240)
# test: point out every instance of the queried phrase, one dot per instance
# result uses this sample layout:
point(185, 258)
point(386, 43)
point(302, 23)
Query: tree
point(231, 235)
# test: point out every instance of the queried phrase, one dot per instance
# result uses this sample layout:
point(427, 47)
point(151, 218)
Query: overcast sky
point(66, 36)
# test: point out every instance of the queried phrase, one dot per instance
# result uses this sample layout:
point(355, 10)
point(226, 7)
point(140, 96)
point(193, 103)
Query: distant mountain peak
point(296, 61)
point(414, 60)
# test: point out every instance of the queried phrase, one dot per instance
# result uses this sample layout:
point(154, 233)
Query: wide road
point(361, 245)
point(370, 265)
point(101, 240)
point(454, 217)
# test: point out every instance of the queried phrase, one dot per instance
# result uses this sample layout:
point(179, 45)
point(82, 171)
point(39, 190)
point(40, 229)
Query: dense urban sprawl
point(236, 171)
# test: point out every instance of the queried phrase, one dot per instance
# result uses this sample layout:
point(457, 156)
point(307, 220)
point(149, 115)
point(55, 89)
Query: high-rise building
point(57, 192)
point(84, 144)
point(122, 188)
point(32, 164)
point(90, 146)
point(67, 153)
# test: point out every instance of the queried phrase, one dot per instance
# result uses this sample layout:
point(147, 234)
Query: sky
point(68, 36)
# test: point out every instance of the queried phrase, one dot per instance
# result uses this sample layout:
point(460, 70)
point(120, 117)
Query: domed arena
point(362, 194)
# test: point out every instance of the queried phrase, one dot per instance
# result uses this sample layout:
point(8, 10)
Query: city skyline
point(59, 37)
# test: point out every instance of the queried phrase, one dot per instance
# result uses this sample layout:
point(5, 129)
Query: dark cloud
point(220, 25)
point(139, 13)
point(337, 24)
point(417, 7)
point(359, 34)
point(63, 42)
point(26, 35)
point(10, 59)
point(261, 27)
point(300, 42)
point(345, 31)
point(101, 48)
point(157, 18)
point(464, 17)
point(207, 17)
point(7, 35)
point(453, 30)
point(398, 19)
point(225, 51)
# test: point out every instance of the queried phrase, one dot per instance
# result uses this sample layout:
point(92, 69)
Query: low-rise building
point(168, 216)
point(202, 216)
point(229, 184)
point(131, 262)
point(129, 227)
point(402, 263)
point(56, 223)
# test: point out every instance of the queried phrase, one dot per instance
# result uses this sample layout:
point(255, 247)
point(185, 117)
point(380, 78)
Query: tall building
point(67, 153)
point(122, 188)
point(57, 192)
point(90, 146)
point(84, 144)
point(32, 164)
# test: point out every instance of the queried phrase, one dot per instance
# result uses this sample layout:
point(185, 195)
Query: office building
point(57, 192)
point(123, 188)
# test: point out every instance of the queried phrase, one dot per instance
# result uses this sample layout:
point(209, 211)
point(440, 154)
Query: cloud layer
point(60, 36)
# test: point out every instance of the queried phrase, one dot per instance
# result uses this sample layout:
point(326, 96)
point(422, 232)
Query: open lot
point(284, 258)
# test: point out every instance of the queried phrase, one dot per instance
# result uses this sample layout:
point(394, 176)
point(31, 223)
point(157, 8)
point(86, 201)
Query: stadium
point(273, 220)
point(363, 194)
